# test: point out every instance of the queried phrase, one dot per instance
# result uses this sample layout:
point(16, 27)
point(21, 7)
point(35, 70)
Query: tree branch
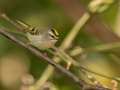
point(40, 55)
point(80, 82)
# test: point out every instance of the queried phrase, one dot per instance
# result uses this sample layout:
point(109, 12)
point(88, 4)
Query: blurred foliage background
point(16, 61)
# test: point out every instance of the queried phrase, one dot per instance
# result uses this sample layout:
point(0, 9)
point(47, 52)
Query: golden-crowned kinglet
point(40, 38)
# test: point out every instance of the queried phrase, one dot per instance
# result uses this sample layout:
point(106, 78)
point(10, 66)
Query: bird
point(42, 38)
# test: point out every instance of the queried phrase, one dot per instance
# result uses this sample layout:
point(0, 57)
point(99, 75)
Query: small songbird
point(41, 38)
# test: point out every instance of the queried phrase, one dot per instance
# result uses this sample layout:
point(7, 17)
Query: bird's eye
point(33, 29)
point(54, 32)
point(52, 36)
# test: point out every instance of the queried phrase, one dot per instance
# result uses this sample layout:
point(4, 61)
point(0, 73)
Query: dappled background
point(102, 28)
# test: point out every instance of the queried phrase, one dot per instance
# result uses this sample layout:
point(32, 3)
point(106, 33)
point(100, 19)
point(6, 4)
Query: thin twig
point(98, 48)
point(75, 30)
point(98, 74)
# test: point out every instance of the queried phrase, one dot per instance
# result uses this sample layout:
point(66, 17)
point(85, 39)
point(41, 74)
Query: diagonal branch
point(40, 55)
point(80, 82)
